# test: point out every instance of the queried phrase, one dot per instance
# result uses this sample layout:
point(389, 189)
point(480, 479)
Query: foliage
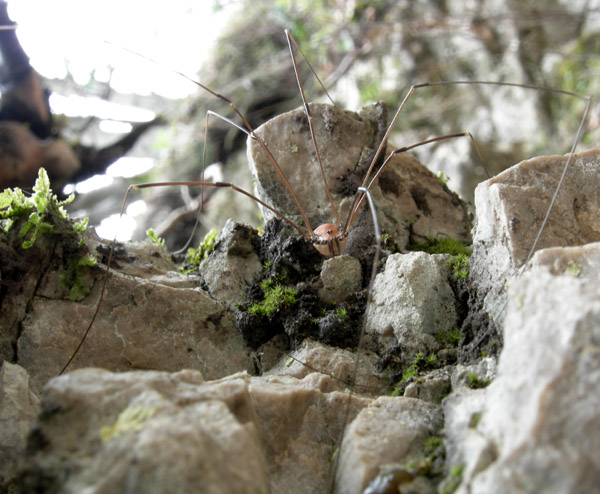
point(460, 266)
point(449, 338)
point(475, 382)
point(275, 296)
point(130, 419)
point(443, 245)
point(42, 213)
point(194, 257)
point(45, 213)
point(154, 237)
point(421, 363)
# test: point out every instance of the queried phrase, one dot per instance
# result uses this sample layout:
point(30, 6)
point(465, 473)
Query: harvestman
point(330, 239)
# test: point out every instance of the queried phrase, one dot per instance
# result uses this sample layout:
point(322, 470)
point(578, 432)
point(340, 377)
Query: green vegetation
point(443, 245)
point(432, 444)
point(449, 338)
point(73, 277)
point(194, 257)
point(573, 268)
point(443, 178)
point(275, 296)
point(420, 364)
point(475, 382)
point(130, 419)
point(43, 214)
point(460, 266)
point(154, 237)
point(453, 481)
point(475, 418)
point(342, 313)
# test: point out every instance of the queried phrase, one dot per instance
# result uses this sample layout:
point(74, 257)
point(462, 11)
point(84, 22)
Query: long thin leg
point(354, 211)
point(358, 200)
point(261, 143)
point(365, 192)
point(310, 120)
point(166, 184)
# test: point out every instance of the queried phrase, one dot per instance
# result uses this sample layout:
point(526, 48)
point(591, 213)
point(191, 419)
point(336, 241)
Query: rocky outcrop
point(408, 196)
point(189, 398)
point(535, 428)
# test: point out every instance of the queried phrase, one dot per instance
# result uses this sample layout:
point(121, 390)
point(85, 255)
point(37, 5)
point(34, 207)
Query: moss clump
point(41, 213)
point(460, 266)
point(130, 419)
point(154, 237)
point(275, 297)
point(443, 245)
point(474, 381)
point(420, 364)
point(453, 480)
point(194, 257)
point(449, 338)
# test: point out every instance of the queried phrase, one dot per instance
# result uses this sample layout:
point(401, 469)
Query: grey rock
point(19, 407)
point(233, 264)
point(150, 318)
point(339, 364)
point(412, 302)
point(341, 277)
point(539, 422)
point(510, 209)
point(402, 426)
point(406, 194)
point(159, 432)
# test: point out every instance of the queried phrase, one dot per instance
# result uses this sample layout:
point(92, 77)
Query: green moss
point(449, 338)
point(74, 276)
point(443, 178)
point(432, 444)
point(154, 237)
point(194, 257)
point(420, 364)
point(473, 381)
point(342, 313)
point(453, 480)
point(459, 265)
point(41, 213)
point(573, 268)
point(443, 245)
point(45, 213)
point(275, 297)
point(475, 418)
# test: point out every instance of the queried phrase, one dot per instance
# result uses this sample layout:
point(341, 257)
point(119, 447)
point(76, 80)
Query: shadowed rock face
point(408, 197)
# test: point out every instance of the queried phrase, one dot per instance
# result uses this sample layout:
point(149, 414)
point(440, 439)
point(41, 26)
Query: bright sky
point(71, 36)
point(72, 33)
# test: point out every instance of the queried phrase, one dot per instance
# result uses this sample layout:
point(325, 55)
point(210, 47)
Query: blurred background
point(102, 94)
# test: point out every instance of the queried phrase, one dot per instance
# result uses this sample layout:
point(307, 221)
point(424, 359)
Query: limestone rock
point(406, 195)
point(341, 277)
point(152, 318)
point(412, 302)
point(539, 420)
point(233, 264)
point(19, 407)
point(312, 356)
point(404, 424)
point(159, 432)
point(510, 209)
